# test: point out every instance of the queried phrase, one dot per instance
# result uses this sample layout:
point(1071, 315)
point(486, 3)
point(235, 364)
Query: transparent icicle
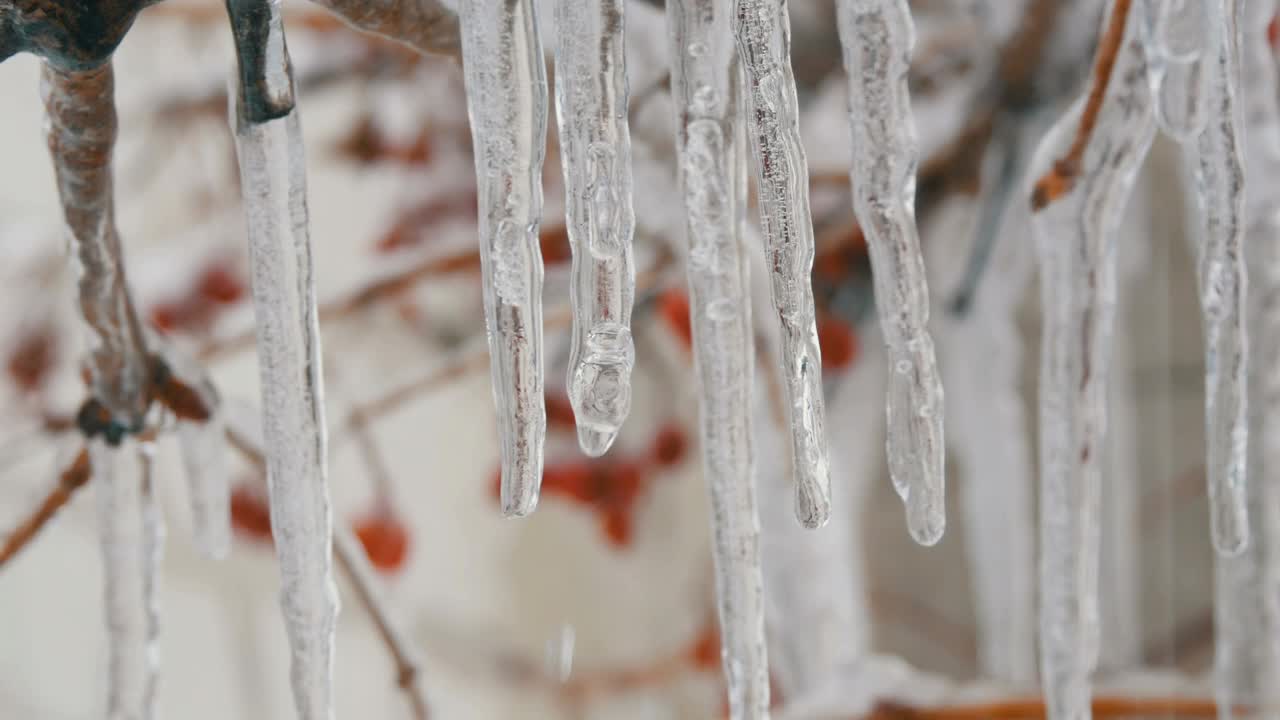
point(204, 458)
point(712, 166)
point(980, 354)
point(1218, 168)
point(507, 102)
point(1180, 38)
point(80, 127)
point(878, 36)
point(763, 31)
point(273, 183)
point(131, 532)
point(1246, 604)
point(1076, 236)
point(595, 142)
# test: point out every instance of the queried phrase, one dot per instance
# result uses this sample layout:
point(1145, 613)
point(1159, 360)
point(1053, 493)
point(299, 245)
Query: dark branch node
point(266, 77)
point(72, 35)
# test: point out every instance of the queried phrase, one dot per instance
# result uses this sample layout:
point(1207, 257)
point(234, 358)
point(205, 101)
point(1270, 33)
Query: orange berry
point(250, 515)
point(838, 342)
point(674, 307)
point(669, 446)
point(385, 540)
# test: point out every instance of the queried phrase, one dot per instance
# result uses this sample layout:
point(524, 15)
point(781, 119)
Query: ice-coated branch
point(354, 563)
point(763, 31)
point(131, 533)
point(1075, 234)
point(81, 132)
point(878, 36)
point(711, 161)
point(595, 143)
point(1246, 607)
point(427, 26)
point(1218, 167)
point(507, 102)
point(273, 183)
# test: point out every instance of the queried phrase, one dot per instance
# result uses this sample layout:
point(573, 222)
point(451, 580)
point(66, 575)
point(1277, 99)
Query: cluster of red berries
point(214, 289)
point(384, 537)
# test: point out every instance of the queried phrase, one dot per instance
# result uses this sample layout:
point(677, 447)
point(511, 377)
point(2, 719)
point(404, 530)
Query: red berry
point(385, 540)
point(220, 285)
point(555, 245)
point(670, 446)
point(250, 515)
point(705, 653)
point(32, 359)
point(560, 412)
point(838, 342)
point(674, 306)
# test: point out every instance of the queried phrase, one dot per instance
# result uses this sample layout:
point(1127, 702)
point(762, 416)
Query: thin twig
point(69, 481)
point(1033, 708)
point(1059, 180)
point(424, 25)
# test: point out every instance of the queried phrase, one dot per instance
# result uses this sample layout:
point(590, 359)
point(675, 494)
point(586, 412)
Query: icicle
point(1219, 181)
point(131, 531)
point(763, 32)
point(1180, 39)
point(1076, 235)
point(204, 457)
point(81, 131)
point(507, 101)
point(1246, 605)
point(595, 141)
point(878, 36)
point(712, 164)
point(980, 354)
point(273, 183)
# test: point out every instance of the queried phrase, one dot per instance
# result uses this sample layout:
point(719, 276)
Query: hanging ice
point(595, 145)
point(1246, 606)
point(763, 31)
point(204, 457)
point(131, 532)
point(1218, 168)
point(507, 102)
point(1180, 41)
point(273, 183)
point(712, 165)
point(1076, 235)
point(80, 126)
point(878, 36)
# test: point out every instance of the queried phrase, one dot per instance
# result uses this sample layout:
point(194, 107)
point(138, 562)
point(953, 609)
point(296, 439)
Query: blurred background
point(600, 605)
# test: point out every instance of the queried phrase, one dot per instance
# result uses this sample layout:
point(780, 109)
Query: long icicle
point(878, 36)
point(131, 534)
point(273, 183)
point(712, 164)
point(1246, 606)
point(1218, 168)
point(1076, 233)
point(595, 143)
point(204, 459)
point(507, 102)
point(80, 127)
point(763, 30)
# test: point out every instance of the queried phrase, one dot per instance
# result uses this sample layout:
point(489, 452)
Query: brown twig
point(69, 481)
point(1033, 708)
point(424, 25)
point(362, 298)
point(1059, 180)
